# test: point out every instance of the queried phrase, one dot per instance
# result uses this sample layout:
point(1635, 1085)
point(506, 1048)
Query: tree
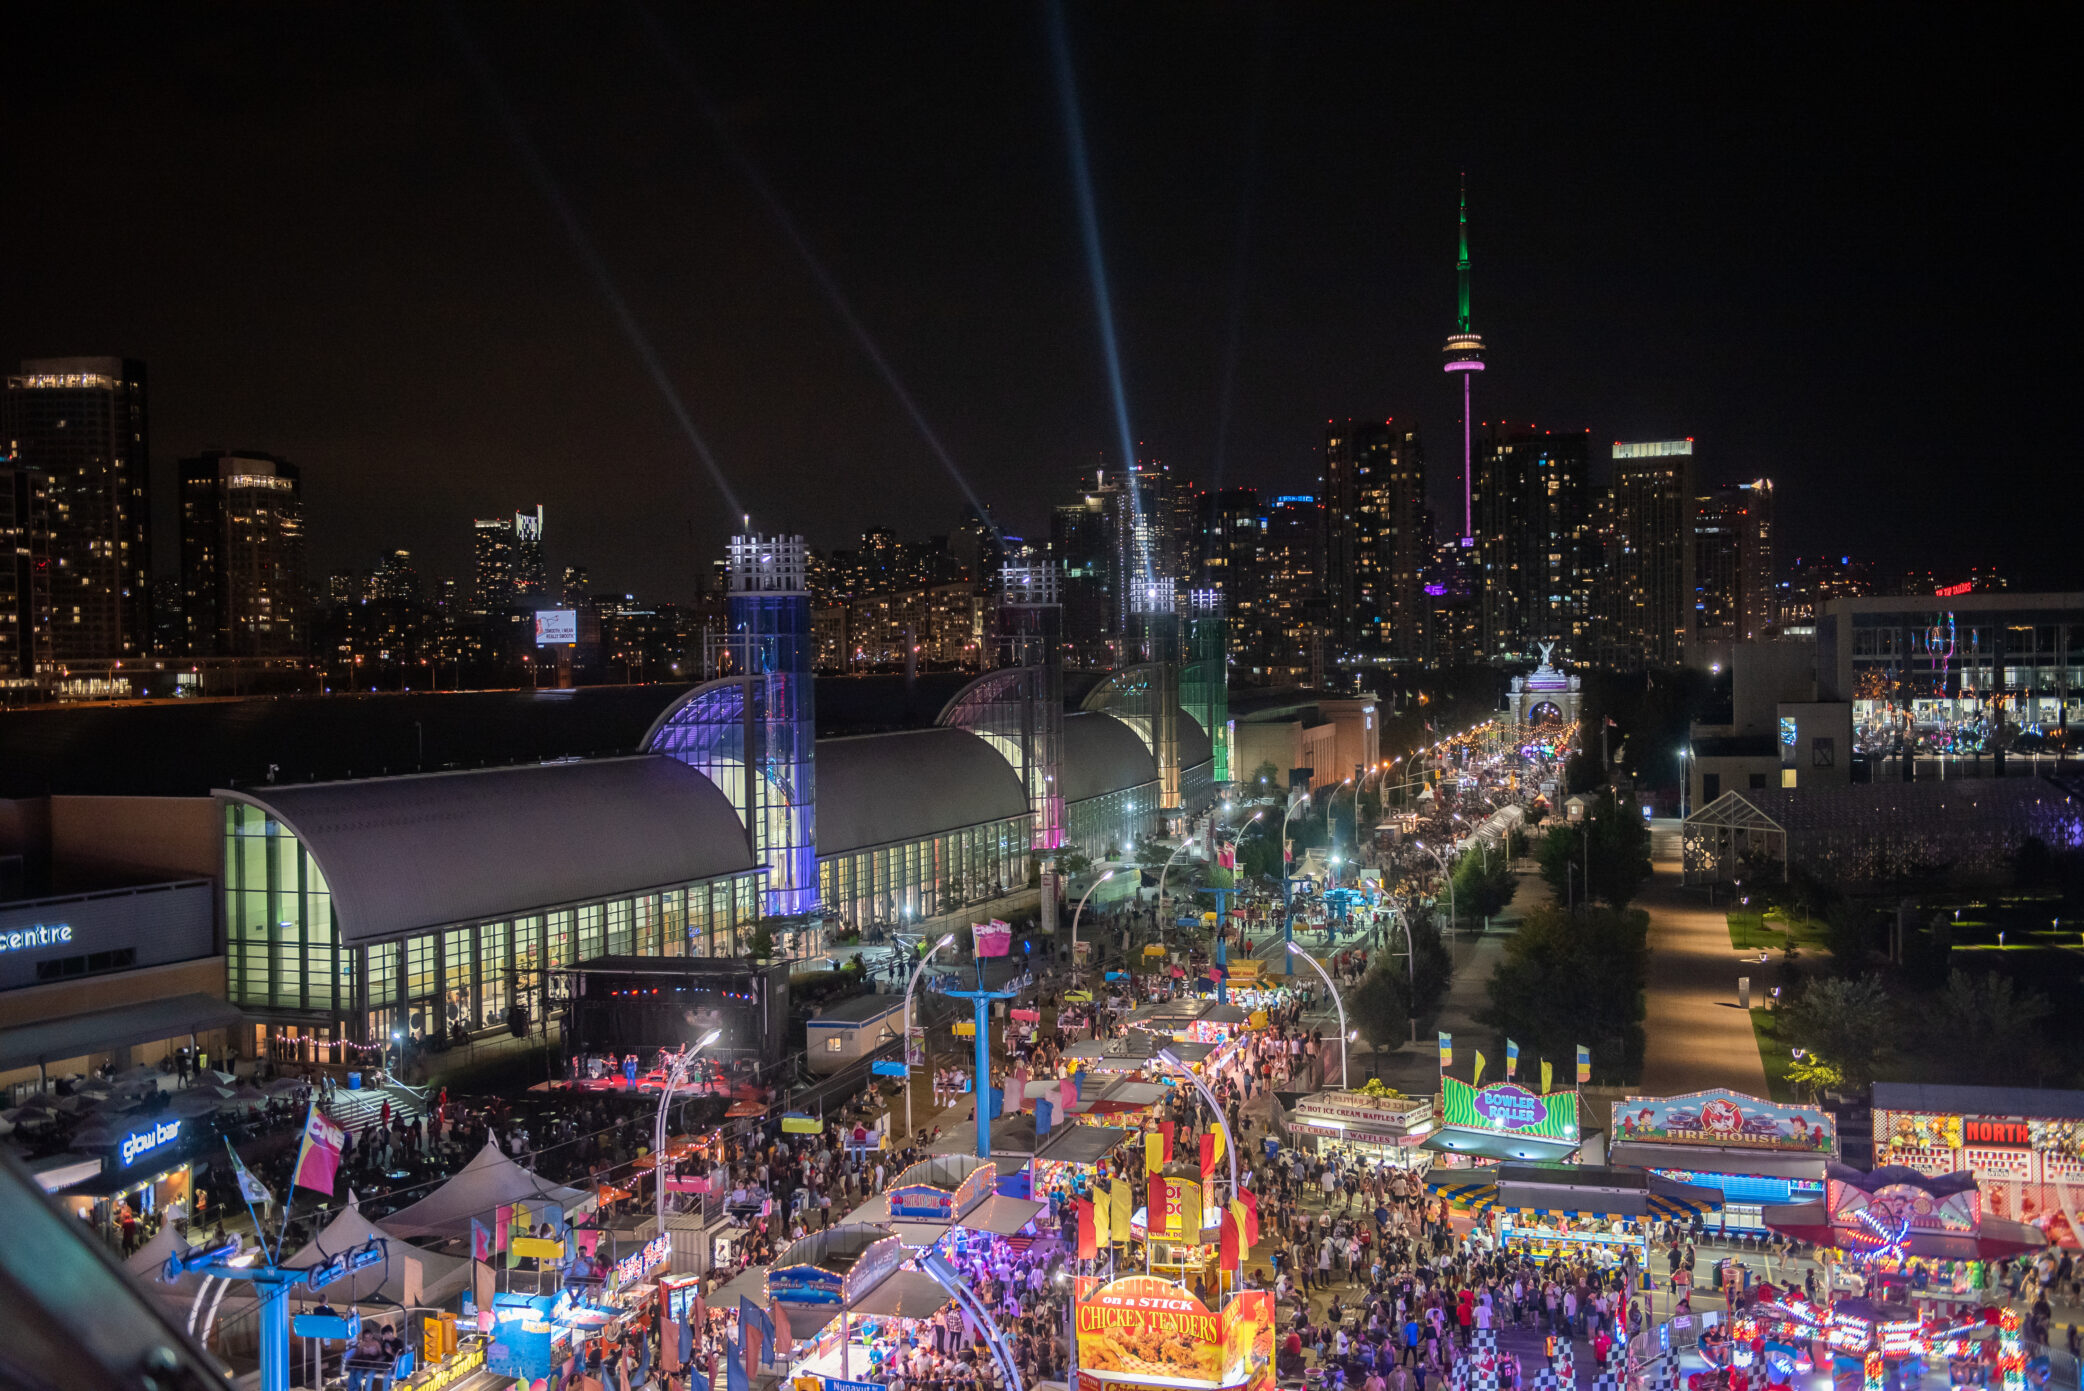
point(1484, 885)
point(1848, 934)
point(1574, 978)
point(761, 947)
point(1266, 780)
point(1619, 859)
point(1072, 863)
point(1985, 1026)
point(1382, 1006)
point(1849, 1024)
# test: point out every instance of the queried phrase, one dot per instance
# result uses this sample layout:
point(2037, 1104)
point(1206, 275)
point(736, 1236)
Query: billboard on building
point(1510, 1109)
point(1726, 1118)
point(556, 627)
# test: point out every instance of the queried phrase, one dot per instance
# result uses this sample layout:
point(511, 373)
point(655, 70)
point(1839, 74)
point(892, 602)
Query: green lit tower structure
point(1204, 686)
point(1465, 355)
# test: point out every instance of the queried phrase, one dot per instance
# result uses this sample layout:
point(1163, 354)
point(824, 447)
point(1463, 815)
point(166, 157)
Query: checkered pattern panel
point(1545, 1379)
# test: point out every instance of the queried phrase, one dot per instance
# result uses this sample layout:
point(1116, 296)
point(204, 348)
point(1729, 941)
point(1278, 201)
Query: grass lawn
point(1773, 1053)
point(1751, 929)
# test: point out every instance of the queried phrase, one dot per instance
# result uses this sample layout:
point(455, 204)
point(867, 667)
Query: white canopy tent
point(438, 1279)
point(489, 1181)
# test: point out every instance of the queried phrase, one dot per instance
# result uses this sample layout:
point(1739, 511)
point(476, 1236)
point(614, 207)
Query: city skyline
point(432, 344)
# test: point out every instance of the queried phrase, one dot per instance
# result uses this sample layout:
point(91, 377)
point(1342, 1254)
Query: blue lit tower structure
point(1204, 683)
point(752, 732)
point(769, 616)
point(1465, 355)
point(1018, 708)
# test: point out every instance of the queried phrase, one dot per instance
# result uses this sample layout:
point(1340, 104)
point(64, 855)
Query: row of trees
point(1396, 990)
point(1847, 1031)
point(1605, 857)
point(1572, 977)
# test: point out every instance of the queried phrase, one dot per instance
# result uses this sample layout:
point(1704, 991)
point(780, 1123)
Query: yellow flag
point(1548, 1070)
point(1103, 1212)
point(1216, 1153)
point(1476, 1080)
point(1124, 1208)
point(1153, 1152)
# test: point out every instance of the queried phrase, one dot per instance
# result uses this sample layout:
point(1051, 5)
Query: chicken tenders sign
point(1140, 1327)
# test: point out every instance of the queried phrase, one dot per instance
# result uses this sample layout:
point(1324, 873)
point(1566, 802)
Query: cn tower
point(1465, 355)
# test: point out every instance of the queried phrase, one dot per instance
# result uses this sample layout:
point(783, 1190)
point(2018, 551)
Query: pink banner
point(1027, 1016)
point(318, 1157)
point(994, 938)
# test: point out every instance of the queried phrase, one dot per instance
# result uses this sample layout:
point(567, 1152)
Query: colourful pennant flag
point(1103, 1215)
point(1446, 1051)
point(1512, 1060)
point(1124, 1209)
point(1476, 1077)
point(480, 1241)
point(1228, 1244)
point(1153, 1152)
point(1548, 1072)
point(1584, 1065)
point(755, 1335)
point(1251, 1202)
point(250, 1188)
point(318, 1156)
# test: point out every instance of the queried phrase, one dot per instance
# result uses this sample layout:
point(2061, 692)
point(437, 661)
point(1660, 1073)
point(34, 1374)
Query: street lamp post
point(676, 1073)
point(1185, 846)
point(914, 980)
point(1171, 1059)
point(1287, 882)
point(1318, 966)
point(1446, 873)
point(1074, 926)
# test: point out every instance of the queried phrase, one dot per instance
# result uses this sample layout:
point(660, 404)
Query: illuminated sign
point(1981, 1130)
point(1511, 1109)
point(1653, 449)
point(1725, 1118)
point(149, 1139)
point(39, 935)
point(1949, 591)
point(554, 626)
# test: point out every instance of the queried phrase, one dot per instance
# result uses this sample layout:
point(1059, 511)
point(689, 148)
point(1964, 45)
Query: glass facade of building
point(1109, 825)
point(910, 880)
point(285, 958)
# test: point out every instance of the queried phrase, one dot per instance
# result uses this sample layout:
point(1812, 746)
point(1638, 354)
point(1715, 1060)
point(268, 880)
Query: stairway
point(353, 1110)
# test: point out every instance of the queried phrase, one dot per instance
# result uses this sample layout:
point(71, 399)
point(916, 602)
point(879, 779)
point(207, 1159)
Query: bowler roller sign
point(1510, 1109)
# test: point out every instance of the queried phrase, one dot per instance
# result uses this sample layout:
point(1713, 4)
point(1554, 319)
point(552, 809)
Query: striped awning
point(1477, 1191)
point(1673, 1207)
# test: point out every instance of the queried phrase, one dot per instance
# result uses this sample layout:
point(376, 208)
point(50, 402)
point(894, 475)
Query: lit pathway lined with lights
point(1696, 1036)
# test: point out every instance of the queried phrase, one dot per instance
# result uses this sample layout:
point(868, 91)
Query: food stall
point(1376, 1129)
point(1069, 1156)
point(1760, 1154)
point(1140, 1331)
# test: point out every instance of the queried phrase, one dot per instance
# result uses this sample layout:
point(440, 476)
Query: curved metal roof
point(1102, 755)
point(1195, 747)
point(878, 788)
point(406, 854)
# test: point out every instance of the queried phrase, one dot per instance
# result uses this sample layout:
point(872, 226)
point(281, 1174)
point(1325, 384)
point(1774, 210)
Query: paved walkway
point(1697, 1036)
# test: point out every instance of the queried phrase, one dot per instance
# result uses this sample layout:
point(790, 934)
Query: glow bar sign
point(145, 1141)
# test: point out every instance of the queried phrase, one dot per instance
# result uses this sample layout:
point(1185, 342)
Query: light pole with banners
point(676, 1073)
point(1075, 912)
point(925, 957)
point(1318, 966)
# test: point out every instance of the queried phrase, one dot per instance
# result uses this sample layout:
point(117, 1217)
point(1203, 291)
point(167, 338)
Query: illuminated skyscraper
point(1648, 555)
point(1533, 522)
point(25, 573)
point(81, 422)
point(242, 555)
point(507, 562)
point(1465, 356)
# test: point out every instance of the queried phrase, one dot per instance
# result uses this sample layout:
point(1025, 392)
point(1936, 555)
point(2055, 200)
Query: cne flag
point(1229, 1243)
point(1584, 1065)
point(1153, 1152)
point(1208, 1153)
point(480, 1241)
point(1512, 1060)
point(1103, 1215)
point(755, 1335)
point(1124, 1205)
point(1548, 1075)
point(1170, 1130)
point(1088, 1237)
point(1476, 1077)
point(1446, 1051)
point(1154, 1209)
point(318, 1156)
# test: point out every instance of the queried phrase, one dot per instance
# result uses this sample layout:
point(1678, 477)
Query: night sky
point(1834, 256)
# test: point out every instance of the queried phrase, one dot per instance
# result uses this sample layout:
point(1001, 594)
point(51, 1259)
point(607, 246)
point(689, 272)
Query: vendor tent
point(488, 1182)
point(439, 1279)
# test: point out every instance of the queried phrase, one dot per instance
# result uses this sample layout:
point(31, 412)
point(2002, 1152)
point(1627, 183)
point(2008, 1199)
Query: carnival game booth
point(820, 1284)
point(1760, 1154)
point(1140, 1332)
point(1572, 1210)
point(2025, 1146)
point(1504, 1121)
point(1375, 1129)
point(1915, 1236)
